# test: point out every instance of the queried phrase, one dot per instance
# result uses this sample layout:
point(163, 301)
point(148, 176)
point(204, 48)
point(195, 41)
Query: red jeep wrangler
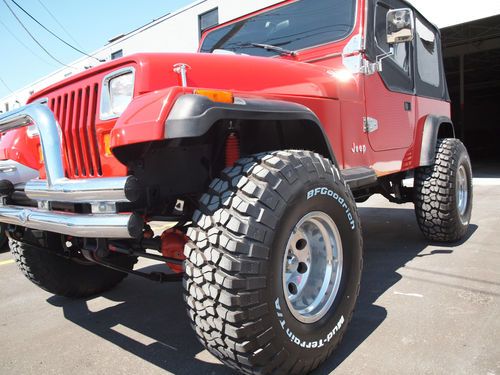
point(257, 148)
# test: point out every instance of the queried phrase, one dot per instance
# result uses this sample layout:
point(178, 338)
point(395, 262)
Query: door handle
point(407, 106)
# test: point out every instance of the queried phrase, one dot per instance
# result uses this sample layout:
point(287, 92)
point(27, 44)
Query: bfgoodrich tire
point(274, 266)
point(66, 277)
point(443, 193)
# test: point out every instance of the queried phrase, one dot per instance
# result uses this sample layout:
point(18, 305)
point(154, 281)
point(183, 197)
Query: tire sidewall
point(463, 160)
point(332, 198)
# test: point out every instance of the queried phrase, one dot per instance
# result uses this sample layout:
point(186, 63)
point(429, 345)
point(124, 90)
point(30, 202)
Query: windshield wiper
point(270, 47)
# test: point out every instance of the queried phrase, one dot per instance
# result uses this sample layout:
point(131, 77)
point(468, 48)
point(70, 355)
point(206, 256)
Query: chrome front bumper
point(101, 193)
point(79, 225)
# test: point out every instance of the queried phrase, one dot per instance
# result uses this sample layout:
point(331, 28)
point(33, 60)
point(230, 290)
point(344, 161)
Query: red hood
point(260, 76)
point(157, 87)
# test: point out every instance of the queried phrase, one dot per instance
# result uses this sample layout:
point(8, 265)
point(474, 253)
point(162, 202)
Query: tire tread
point(63, 276)
point(435, 206)
point(238, 215)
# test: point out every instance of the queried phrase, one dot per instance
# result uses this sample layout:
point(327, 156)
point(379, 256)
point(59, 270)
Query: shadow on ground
point(391, 239)
point(154, 311)
point(156, 325)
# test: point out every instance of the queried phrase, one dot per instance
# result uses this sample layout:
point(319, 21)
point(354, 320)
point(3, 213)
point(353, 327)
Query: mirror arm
point(382, 57)
point(370, 68)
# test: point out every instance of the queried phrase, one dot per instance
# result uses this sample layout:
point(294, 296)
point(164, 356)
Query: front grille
point(76, 112)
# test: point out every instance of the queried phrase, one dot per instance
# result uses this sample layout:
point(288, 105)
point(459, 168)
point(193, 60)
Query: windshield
point(298, 25)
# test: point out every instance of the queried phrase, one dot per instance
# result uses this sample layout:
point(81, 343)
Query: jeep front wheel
point(274, 266)
point(443, 193)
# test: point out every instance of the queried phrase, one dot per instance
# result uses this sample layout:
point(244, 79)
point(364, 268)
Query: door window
point(208, 19)
point(427, 55)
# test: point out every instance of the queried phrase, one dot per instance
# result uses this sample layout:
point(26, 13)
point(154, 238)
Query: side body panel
point(394, 113)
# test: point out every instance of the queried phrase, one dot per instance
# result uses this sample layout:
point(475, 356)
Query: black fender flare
point(433, 127)
point(194, 115)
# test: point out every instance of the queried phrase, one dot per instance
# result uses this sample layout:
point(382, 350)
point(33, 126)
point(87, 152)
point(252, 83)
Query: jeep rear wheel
point(274, 266)
point(443, 193)
point(68, 277)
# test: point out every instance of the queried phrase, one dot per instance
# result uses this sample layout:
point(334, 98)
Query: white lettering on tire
point(341, 201)
point(303, 343)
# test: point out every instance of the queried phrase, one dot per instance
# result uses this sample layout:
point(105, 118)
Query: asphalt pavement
point(424, 309)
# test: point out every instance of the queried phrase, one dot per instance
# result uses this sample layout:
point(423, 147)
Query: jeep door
point(389, 94)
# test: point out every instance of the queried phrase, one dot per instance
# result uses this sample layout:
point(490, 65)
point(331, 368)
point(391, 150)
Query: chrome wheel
point(462, 191)
point(312, 267)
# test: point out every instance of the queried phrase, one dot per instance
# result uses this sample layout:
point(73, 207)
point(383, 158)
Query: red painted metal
point(16, 145)
point(172, 246)
point(75, 111)
point(145, 112)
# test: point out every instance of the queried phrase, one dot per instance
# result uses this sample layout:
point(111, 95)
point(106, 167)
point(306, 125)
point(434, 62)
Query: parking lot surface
point(423, 309)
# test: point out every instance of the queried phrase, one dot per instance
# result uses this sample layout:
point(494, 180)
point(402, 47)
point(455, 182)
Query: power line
point(7, 86)
point(32, 37)
point(52, 33)
point(57, 21)
point(24, 45)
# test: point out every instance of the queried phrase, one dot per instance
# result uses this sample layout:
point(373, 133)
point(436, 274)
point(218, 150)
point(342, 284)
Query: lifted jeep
point(257, 149)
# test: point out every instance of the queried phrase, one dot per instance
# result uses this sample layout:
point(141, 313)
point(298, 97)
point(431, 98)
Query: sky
point(89, 24)
point(452, 12)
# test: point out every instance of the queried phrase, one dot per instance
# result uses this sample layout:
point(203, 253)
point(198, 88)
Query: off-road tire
point(436, 203)
point(64, 276)
point(233, 283)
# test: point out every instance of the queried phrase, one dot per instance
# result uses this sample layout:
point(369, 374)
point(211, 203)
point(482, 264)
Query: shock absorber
point(232, 149)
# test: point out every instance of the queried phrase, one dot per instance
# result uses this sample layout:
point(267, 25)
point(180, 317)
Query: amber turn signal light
point(216, 95)
point(40, 154)
point(107, 144)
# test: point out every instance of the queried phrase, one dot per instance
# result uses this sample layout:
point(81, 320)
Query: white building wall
point(176, 32)
point(179, 32)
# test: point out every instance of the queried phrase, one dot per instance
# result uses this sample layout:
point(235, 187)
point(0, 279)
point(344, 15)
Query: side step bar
point(359, 177)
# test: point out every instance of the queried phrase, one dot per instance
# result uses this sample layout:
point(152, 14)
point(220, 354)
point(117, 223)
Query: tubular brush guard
point(98, 192)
